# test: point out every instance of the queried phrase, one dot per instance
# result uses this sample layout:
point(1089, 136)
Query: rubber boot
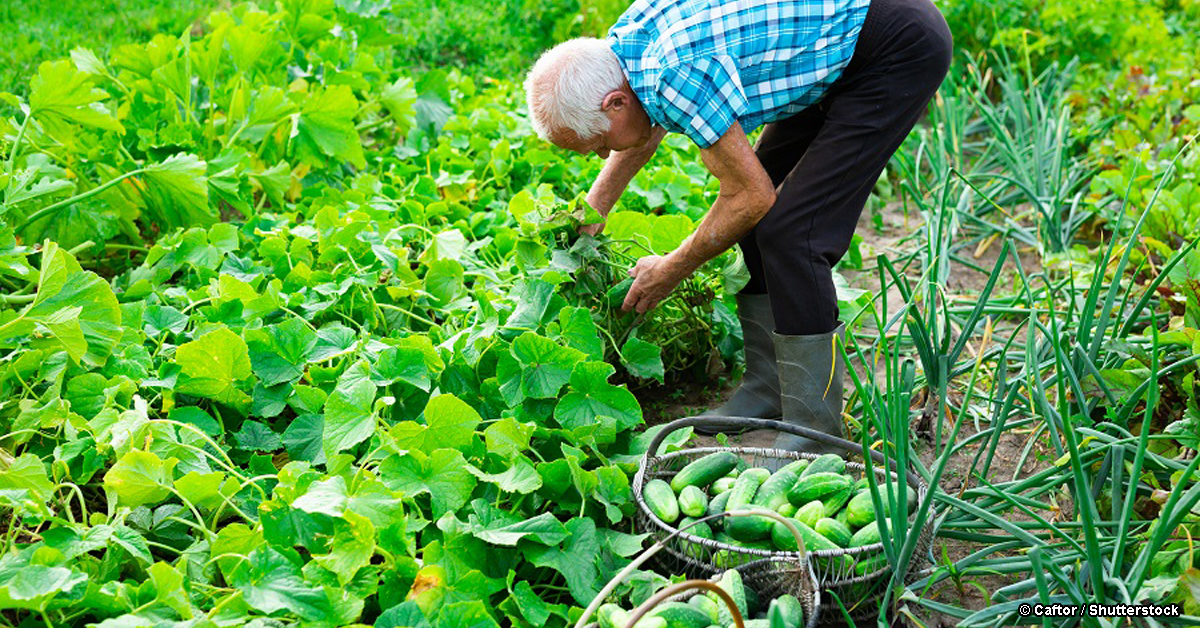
point(810, 376)
point(758, 394)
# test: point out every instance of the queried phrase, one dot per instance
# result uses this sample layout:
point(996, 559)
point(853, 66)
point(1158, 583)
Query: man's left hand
point(655, 276)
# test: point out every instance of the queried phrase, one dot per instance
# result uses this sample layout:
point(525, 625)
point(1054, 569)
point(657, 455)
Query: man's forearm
point(726, 223)
point(619, 169)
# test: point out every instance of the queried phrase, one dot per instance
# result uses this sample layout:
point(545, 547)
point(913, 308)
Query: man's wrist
point(679, 264)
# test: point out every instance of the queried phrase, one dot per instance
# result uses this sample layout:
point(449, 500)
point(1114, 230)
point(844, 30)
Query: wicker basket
point(701, 558)
point(799, 581)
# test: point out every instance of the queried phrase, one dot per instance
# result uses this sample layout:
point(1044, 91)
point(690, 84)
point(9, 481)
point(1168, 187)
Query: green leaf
point(575, 559)
point(74, 310)
point(214, 366)
point(399, 99)
point(449, 423)
point(171, 588)
point(326, 497)
point(176, 192)
point(546, 364)
point(406, 615)
point(325, 128)
point(592, 396)
point(60, 93)
point(139, 478)
point(27, 472)
point(403, 364)
point(202, 489)
point(521, 477)
point(579, 331)
point(160, 319)
point(508, 437)
point(255, 436)
point(32, 587)
point(642, 359)
point(333, 341)
point(349, 419)
point(471, 614)
point(444, 281)
point(443, 474)
point(269, 582)
point(351, 548)
point(497, 527)
point(303, 438)
point(195, 416)
point(279, 353)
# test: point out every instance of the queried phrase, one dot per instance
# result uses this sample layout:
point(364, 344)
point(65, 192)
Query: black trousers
point(825, 160)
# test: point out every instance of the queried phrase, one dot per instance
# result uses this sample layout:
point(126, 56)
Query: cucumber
point(861, 483)
point(813, 541)
point(834, 502)
point(817, 486)
point(834, 531)
point(811, 513)
point(868, 535)
point(871, 565)
point(717, 505)
point(787, 509)
point(722, 485)
point(611, 616)
point(616, 294)
point(860, 511)
point(790, 610)
point(691, 548)
point(826, 463)
point(772, 494)
point(660, 499)
point(701, 529)
point(841, 518)
point(692, 501)
point(706, 604)
point(731, 582)
point(744, 489)
point(756, 623)
point(681, 615)
point(704, 471)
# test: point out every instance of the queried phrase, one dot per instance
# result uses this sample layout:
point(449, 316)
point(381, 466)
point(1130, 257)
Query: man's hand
point(655, 276)
point(591, 230)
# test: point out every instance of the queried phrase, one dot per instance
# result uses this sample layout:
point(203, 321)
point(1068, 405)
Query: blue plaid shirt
point(698, 65)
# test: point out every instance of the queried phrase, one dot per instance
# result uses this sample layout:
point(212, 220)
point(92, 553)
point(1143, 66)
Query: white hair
point(567, 85)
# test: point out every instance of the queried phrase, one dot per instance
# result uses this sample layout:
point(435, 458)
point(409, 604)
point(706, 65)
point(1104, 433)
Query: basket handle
point(763, 424)
point(680, 587)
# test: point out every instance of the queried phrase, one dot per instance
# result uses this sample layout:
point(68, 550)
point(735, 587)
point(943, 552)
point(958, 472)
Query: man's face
point(629, 127)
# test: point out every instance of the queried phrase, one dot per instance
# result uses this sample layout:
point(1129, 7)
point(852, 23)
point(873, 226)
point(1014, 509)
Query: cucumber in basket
point(660, 499)
point(772, 494)
point(704, 471)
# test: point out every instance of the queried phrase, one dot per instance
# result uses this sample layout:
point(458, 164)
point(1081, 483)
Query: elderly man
point(838, 84)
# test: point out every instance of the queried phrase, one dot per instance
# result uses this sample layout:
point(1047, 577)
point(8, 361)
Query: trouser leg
point(779, 148)
point(865, 116)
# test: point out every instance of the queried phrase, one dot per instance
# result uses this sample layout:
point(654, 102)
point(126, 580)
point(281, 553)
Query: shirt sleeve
point(702, 98)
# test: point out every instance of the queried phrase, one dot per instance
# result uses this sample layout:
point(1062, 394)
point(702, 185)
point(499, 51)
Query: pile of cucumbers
point(707, 610)
point(831, 508)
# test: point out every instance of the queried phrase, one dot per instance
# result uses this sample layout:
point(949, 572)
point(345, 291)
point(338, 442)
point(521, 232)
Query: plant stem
point(53, 209)
point(12, 155)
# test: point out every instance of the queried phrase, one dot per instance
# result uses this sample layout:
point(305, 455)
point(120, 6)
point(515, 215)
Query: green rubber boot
point(811, 398)
point(758, 395)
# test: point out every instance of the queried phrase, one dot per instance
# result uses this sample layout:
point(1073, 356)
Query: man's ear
point(615, 100)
